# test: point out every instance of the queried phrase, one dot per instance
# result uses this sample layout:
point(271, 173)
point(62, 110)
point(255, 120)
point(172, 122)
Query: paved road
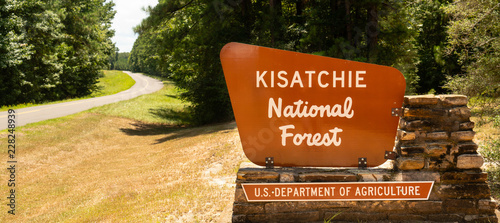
point(143, 85)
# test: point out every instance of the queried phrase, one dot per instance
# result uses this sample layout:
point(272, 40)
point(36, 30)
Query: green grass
point(112, 83)
point(161, 107)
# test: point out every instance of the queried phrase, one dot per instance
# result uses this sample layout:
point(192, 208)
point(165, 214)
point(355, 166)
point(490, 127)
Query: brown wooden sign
point(355, 191)
point(307, 110)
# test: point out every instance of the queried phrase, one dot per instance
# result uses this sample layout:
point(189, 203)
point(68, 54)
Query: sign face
point(307, 110)
point(353, 191)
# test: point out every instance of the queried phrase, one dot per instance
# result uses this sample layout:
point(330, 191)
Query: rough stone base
point(458, 196)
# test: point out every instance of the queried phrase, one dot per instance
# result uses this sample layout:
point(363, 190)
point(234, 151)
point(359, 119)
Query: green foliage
point(120, 61)
point(491, 153)
point(474, 37)
point(52, 50)
point(433, 64)
point(182, 39)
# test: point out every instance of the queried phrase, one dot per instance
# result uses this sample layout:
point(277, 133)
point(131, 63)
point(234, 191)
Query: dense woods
point(52, 50)
point(439, 45)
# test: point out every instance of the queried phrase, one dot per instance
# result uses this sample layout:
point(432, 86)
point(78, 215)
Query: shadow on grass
point(181, 129)
point(181, 118)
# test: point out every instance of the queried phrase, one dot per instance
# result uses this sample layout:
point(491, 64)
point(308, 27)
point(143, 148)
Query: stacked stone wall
point(434, 143)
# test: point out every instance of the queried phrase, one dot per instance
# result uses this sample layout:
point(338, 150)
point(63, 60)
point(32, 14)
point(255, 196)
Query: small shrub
point(491, 151)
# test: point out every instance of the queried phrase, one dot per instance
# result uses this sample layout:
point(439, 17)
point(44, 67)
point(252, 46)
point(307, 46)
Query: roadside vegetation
point(486, 115)
point(161, 107)
point(53, 50)
point(110, 83)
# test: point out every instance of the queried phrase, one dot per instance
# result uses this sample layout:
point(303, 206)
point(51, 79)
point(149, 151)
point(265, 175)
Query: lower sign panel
point(354, 191)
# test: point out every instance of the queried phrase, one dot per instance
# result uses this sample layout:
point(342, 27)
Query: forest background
point(53, 50)
point(440, 46)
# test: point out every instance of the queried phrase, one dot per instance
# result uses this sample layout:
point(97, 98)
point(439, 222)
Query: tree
point(52, 50)
point(474, 37)
point(182, 39)
point(13, 51)
point(433, 64)
point(87, 39)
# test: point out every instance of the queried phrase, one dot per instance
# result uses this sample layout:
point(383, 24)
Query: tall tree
point(52, 50)
point(474, 37)
point(182, 39)
point(13, 51)
point(433, 64)
point(88, 35)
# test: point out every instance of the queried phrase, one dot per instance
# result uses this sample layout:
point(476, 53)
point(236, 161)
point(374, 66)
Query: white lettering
point(296, 79)
point(302, 109)
point(320, 83)
point(345, 79)
point(310, 139)
point(358, 79)
point(260, 78)
point(285, 81)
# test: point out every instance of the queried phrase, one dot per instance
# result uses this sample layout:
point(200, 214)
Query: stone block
point(465, 206)
point(412, 149)
point(425, 207)
point(463, 191)
point(239, 195)
point(248, 208)
point(405, 136)
point(466, 126)
point(437, 149)
point(287, 177)
point(486, 206)
point(463, 177)
point(420, 125)
point(252, 175)
point(446, 217)
point(462, 136)
point(436, 136)
point(374, 177)
point(453, 100)
point(407, 218)
point(420, 100)
point(311, 216)
point(410, 163)
point(440, 165)
point(469, 161)
point(467, 147)
point(481, 218)
point(459, 113)
point(358, 216)
point(423, 113)
point(317, 205)
point(418, 176)
point(382, 206)
point(239, 218)
point(327, 177)
point(277, 207)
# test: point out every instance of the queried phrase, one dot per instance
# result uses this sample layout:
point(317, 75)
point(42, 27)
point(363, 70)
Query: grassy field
point(99, 166)
point(161, 107)
point(112, 83)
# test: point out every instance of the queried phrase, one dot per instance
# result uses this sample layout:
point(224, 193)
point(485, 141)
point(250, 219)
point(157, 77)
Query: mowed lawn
point(98, 166)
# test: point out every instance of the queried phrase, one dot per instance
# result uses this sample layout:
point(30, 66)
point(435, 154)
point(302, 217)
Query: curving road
point(143, 85)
